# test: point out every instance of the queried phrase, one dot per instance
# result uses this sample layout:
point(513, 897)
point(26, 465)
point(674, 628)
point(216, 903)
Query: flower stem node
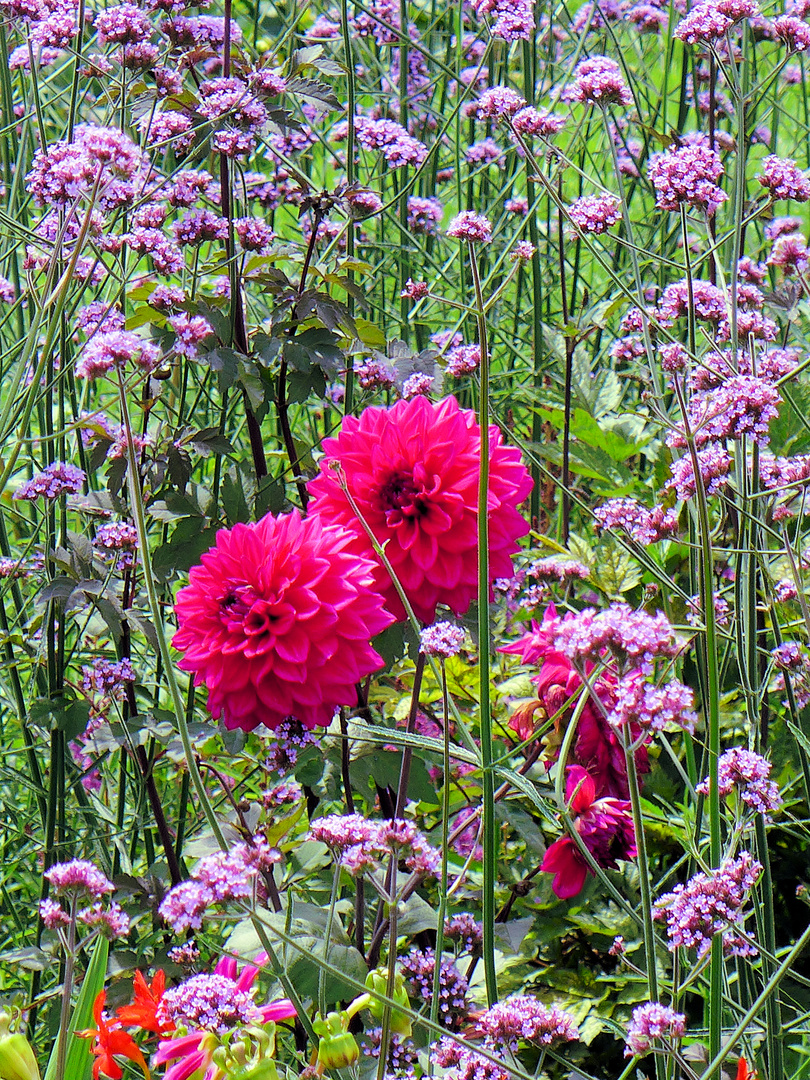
point(377, 982)
point(17, 1061)
point(337, 1047)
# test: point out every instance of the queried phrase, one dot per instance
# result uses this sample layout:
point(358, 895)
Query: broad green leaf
point(79, 1060)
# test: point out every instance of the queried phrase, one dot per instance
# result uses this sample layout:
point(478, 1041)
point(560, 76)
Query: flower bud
point(377, 981)
point(337, 1047)
point(17, 1061)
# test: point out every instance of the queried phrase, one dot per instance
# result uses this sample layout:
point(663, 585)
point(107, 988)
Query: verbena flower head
point(783, 180)
point(645, 526)
point(539, 122)
point(599, 81)
point(704, 23)
point(276, 622)
point(650, 1022)
point(114, 351)
point(634, 638)
point(465, 929)
point(412, 471)
point(424, 215)
point(687, 176)
point(653, 708)
point(443, 639)
point(57, 479)
point(470, 226)
point(708, 903)
point(748, 774)
point(418, 968)
point(499, 101)
point(184, 906)
point(209, 1003)
point(595, 214)
point(76, 877)
point(524, 1017)
point(463, 360)
point(512, 20)
point(397, 146)
point(714, 463)
point(743, 405)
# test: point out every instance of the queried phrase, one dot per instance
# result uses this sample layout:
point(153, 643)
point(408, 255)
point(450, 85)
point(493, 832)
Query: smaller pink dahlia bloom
point(412, 470)
point(277, 622)
point(606, 827)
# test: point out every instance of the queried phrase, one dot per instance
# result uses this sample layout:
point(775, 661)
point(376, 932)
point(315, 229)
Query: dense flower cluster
point(651, 1022)
point(524, 1017)
point(360, 844)
point(599, 81)
point(708, 904)
point(645, 526)
point(748, 774)
point(57, 479)
point(595, 214)
point(418, 968)
point(687, 175)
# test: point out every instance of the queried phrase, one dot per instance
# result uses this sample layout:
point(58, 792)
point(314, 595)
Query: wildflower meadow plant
point(405, 461)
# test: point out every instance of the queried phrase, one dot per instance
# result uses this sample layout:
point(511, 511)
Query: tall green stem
point(488, 794)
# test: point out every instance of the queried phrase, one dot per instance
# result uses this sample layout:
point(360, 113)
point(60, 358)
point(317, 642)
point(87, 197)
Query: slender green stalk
point(489, 843)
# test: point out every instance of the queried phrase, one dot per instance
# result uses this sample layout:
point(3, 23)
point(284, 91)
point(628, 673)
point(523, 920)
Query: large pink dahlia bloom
point(277, 622)
point(413, 472)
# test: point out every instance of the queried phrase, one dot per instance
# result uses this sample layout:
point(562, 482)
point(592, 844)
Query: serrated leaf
point(615, 571)
point(331, 313)
point(314, 91)
point(211, 441)
point(225, 362)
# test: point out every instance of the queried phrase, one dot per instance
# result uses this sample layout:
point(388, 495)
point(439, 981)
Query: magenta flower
point(470, 226)
point(606, 827)
point(211, 1006)
point(276, 622)
point(650, 1022)
point(687, 175)
point(597, 747)
point(412, 471)
point(599, 81)
point(595, 214)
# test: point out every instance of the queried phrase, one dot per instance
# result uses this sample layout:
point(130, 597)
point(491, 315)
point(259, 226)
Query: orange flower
point(143, 1010)
point(742, 1071)
point(108, 1040)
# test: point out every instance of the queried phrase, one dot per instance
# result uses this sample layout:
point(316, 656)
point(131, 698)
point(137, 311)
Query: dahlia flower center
point(244, 611)
point(401, 493)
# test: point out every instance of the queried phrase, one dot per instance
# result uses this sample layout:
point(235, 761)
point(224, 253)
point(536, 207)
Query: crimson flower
point(597, 746)
point(142, 1012)
point(606, 827)
point(412, 471)
point(110, 1040)
point(277, 622)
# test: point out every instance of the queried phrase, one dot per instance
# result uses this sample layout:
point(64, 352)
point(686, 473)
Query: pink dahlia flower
point(606, 827)
point(413, 472)
point(277, 621)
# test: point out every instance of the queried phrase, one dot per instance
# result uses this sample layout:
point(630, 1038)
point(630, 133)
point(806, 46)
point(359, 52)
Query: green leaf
point(210, 441)
point(314, 91)
point(614, 572)
point(79, 1059)
point(370, 334)
point(225, 362)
